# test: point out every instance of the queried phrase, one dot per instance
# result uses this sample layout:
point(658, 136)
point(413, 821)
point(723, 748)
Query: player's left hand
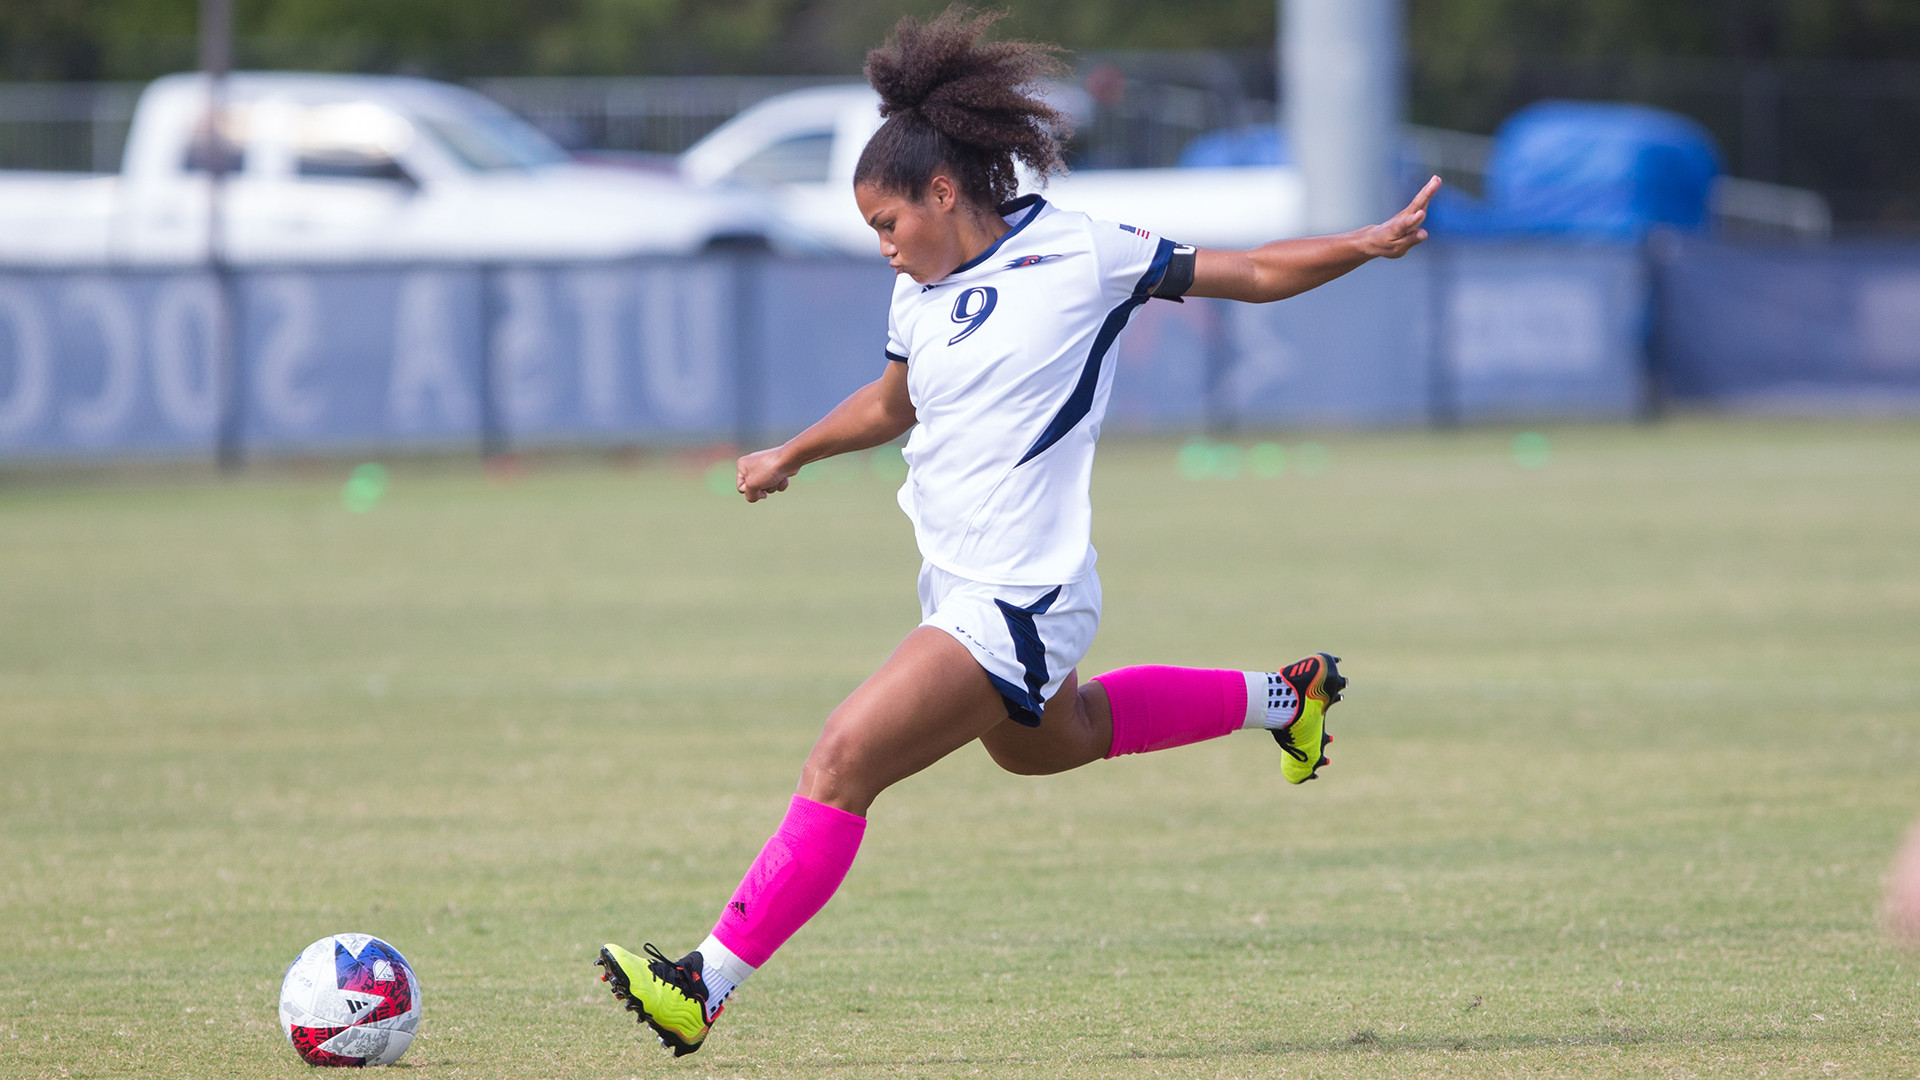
point(759, 475)
point(1402, 232)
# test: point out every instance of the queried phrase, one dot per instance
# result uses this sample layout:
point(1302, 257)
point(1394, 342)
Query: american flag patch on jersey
point(1142, 233)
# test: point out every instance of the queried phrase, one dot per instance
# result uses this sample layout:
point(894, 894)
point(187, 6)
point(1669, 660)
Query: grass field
point(1634, 730)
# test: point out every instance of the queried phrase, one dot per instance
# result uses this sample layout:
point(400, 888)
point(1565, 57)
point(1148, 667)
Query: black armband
point(1179, 276)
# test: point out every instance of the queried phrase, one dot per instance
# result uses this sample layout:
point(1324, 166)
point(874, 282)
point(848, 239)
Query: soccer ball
point(350, 999)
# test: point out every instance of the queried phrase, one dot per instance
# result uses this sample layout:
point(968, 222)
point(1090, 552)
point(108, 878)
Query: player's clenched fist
point(762, 473)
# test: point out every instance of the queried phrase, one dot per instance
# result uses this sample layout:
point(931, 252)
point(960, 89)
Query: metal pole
point(1221, 411)
point(1342, 93)
point(1443, 387)
point(749, 424)
point(216, 61)
point(493, 431)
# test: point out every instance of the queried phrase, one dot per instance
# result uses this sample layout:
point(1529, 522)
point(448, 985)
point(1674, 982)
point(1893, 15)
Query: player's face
point(918, 237)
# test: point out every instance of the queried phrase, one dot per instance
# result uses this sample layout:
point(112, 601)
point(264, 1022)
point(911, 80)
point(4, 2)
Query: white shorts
point(1027, 637)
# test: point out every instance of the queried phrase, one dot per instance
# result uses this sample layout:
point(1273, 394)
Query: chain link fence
point(65, 127)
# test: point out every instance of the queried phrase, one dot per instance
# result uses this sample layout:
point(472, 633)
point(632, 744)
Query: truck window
point(228, 145)
point(798, 159)
point(487, 142)
point(355, 140)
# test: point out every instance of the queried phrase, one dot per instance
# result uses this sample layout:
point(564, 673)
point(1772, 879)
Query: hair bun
point(943, 81)
point(943, 65)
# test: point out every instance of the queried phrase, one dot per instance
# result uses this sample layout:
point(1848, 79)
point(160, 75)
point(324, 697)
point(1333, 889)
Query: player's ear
point(942, 193)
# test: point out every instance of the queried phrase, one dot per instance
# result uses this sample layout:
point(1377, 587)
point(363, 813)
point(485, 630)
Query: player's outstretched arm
point(1290, 267)
point(877, 413)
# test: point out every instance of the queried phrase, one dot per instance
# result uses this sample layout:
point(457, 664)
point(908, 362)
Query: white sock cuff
point(717, 957)
point(1271, 701)
point(1256, 700)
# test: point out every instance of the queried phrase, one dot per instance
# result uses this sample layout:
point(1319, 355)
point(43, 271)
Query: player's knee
point(841, 766)
point(837, 754)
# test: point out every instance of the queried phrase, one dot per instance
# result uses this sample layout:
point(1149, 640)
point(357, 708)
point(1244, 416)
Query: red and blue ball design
point(350, 999)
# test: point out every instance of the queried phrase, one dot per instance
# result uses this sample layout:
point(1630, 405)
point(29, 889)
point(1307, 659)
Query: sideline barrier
point(1460, 332)
point(97, 364)
point(1833, 328)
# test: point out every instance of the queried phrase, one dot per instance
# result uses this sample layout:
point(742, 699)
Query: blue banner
point(1527, 331)
point(1835, 327)
point(703, 350)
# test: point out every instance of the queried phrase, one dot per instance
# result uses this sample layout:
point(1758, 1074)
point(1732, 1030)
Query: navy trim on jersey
point(1080, 402)
point(1022, 203)
point(896, 357)
point(1024, 704)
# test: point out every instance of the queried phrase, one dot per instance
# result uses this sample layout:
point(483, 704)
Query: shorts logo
point(972, 308)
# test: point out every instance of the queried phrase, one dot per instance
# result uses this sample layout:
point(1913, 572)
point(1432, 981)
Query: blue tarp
point(1588, 170)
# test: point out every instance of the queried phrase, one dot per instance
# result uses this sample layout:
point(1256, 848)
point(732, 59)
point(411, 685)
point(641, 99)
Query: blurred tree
point(57, 39)
point(1748, 69)
point(83, 39)
point(1495, 35)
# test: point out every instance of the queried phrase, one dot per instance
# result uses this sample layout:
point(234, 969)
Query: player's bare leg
point(929, 699)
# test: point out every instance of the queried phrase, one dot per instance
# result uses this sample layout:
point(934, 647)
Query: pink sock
point(791, 880)
point(1159, 707)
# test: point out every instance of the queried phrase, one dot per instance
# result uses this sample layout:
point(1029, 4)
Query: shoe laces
point(675, 974)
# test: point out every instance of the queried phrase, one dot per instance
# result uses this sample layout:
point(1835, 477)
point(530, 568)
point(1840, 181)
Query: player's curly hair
point(954, 103)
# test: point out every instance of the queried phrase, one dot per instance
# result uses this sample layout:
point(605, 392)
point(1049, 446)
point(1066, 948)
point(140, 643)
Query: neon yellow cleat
point(670, 996)
point(1316, 683)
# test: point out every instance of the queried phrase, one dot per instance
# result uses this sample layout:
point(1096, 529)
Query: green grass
point(1632, 737)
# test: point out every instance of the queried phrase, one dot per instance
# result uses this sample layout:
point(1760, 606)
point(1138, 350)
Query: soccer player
point(1004, 316)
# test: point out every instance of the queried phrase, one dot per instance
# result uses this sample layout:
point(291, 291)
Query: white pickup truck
point(354, 167)
point(801, 148)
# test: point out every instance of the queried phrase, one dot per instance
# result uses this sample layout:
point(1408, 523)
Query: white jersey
point(1007, 367)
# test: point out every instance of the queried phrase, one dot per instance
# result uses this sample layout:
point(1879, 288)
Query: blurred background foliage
point(1820, 94)
point(1454, 42)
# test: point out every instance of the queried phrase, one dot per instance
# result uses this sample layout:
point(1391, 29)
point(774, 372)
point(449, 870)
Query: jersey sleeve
point(896, 341)
point(1134, 262)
